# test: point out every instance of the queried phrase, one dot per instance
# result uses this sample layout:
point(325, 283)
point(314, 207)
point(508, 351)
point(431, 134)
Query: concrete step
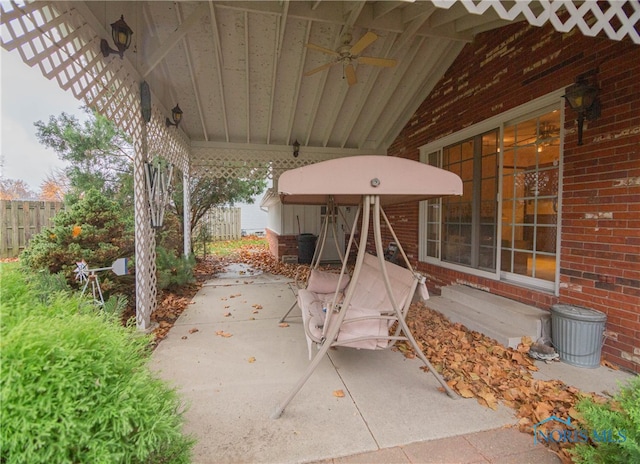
point(500, 318)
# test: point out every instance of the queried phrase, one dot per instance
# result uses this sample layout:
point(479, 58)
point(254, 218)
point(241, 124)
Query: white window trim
point(496, 122)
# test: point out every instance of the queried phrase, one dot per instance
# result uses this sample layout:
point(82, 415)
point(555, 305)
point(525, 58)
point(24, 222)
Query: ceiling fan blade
point(363, 43)
point(320, 68)
point(384, 62)
point(322, 49)
point(351, 74)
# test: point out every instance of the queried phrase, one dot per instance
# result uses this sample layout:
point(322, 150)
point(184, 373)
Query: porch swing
point(359, 311)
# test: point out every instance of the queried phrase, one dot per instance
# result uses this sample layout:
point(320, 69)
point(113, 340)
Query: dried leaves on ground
point(479, 367)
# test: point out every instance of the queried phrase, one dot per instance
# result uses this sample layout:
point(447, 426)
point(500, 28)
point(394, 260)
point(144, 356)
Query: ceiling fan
point(347, 54)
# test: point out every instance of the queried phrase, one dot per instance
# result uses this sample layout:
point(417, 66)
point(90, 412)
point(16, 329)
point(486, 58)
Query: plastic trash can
point(306, 248)
point(577, 334)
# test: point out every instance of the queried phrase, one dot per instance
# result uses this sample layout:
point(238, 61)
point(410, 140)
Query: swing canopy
point(395, 180)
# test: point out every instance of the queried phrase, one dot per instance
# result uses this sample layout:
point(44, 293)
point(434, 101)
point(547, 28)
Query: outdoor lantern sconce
point(583, 98)
point(121, 34)
point(176, 115)
point(296, 148)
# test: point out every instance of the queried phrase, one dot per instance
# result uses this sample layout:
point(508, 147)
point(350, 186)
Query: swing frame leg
point(282, 319)
point(324, 348)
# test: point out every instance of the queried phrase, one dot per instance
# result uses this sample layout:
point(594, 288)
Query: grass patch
point(226, 248)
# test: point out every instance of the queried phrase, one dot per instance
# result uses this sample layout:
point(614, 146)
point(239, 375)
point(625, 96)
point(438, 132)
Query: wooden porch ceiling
point(237, 68)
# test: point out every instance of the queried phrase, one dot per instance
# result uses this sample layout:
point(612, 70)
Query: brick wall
point(600, 244)
point(281, 245)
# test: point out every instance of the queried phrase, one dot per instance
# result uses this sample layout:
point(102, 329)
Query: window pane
point(508, 185)
point(433, 210)
point(546, 239)
point(432, 159)
point(432, 249)
point(488, 192)
point(467, 170)
point(489, 166)
point(549, 156)
point(467, 149)
point(506, 260)
point(523, 263)
point(509, 159)
point(490, 143)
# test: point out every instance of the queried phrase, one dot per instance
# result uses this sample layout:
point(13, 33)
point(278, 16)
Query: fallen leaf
point(283, 324)
point(224, 334)
point(338, 393)
point(227, 314)
point(257, 306)
point(184, 337)
point(194, 330)
point(251, 359)
point(465, 393)
point(606, 363)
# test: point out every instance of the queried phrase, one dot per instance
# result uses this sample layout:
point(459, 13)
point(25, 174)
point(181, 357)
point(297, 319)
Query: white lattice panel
point(57, 38)
point(617, 18)
point(249, 163)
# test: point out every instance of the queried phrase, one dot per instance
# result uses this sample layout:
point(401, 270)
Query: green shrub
point(173, 271)
point(620, 415)
point(92, 229)
point(75, 387)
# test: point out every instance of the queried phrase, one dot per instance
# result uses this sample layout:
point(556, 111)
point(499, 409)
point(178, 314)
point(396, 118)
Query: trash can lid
point(578, 312)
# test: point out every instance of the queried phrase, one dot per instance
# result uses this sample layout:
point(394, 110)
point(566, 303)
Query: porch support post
point(145, 242)
point(186, 213)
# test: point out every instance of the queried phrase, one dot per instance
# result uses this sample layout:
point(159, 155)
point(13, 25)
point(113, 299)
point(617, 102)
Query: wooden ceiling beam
point(173, 39)
point(215, 35)
point(194, 83)
point(404, 62)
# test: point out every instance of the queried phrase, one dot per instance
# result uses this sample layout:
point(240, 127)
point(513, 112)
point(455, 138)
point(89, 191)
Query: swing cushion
point(326, 282)
point(369, 300)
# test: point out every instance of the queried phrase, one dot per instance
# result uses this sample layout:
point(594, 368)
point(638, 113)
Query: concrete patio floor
point(232, 363)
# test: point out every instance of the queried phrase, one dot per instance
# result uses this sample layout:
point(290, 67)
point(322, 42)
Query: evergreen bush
point(619, 420)
point(75, 387)
point(173, 271)
point(92, 229)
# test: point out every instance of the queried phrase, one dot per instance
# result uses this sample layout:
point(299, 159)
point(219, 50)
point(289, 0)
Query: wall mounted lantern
point(583, 98)
point(296, 148)
point(121, 34)
point(176, 115)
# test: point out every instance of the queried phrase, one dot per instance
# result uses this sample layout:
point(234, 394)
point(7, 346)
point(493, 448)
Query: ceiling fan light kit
point(348, 54)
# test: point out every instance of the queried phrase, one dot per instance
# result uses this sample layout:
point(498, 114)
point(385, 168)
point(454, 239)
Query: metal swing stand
point(369, 203)
point(330, 218)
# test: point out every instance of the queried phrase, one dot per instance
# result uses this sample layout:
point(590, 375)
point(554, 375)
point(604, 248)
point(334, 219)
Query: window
point(469, 222)
point(505, 224)
point(530, 197)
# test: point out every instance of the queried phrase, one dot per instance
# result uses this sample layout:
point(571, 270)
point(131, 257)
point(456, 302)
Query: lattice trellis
point(617, 18)
point(248, 163)
point(57, 38)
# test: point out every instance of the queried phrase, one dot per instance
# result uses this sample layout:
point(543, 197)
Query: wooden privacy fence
point(220, 224)
point(20, 220)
